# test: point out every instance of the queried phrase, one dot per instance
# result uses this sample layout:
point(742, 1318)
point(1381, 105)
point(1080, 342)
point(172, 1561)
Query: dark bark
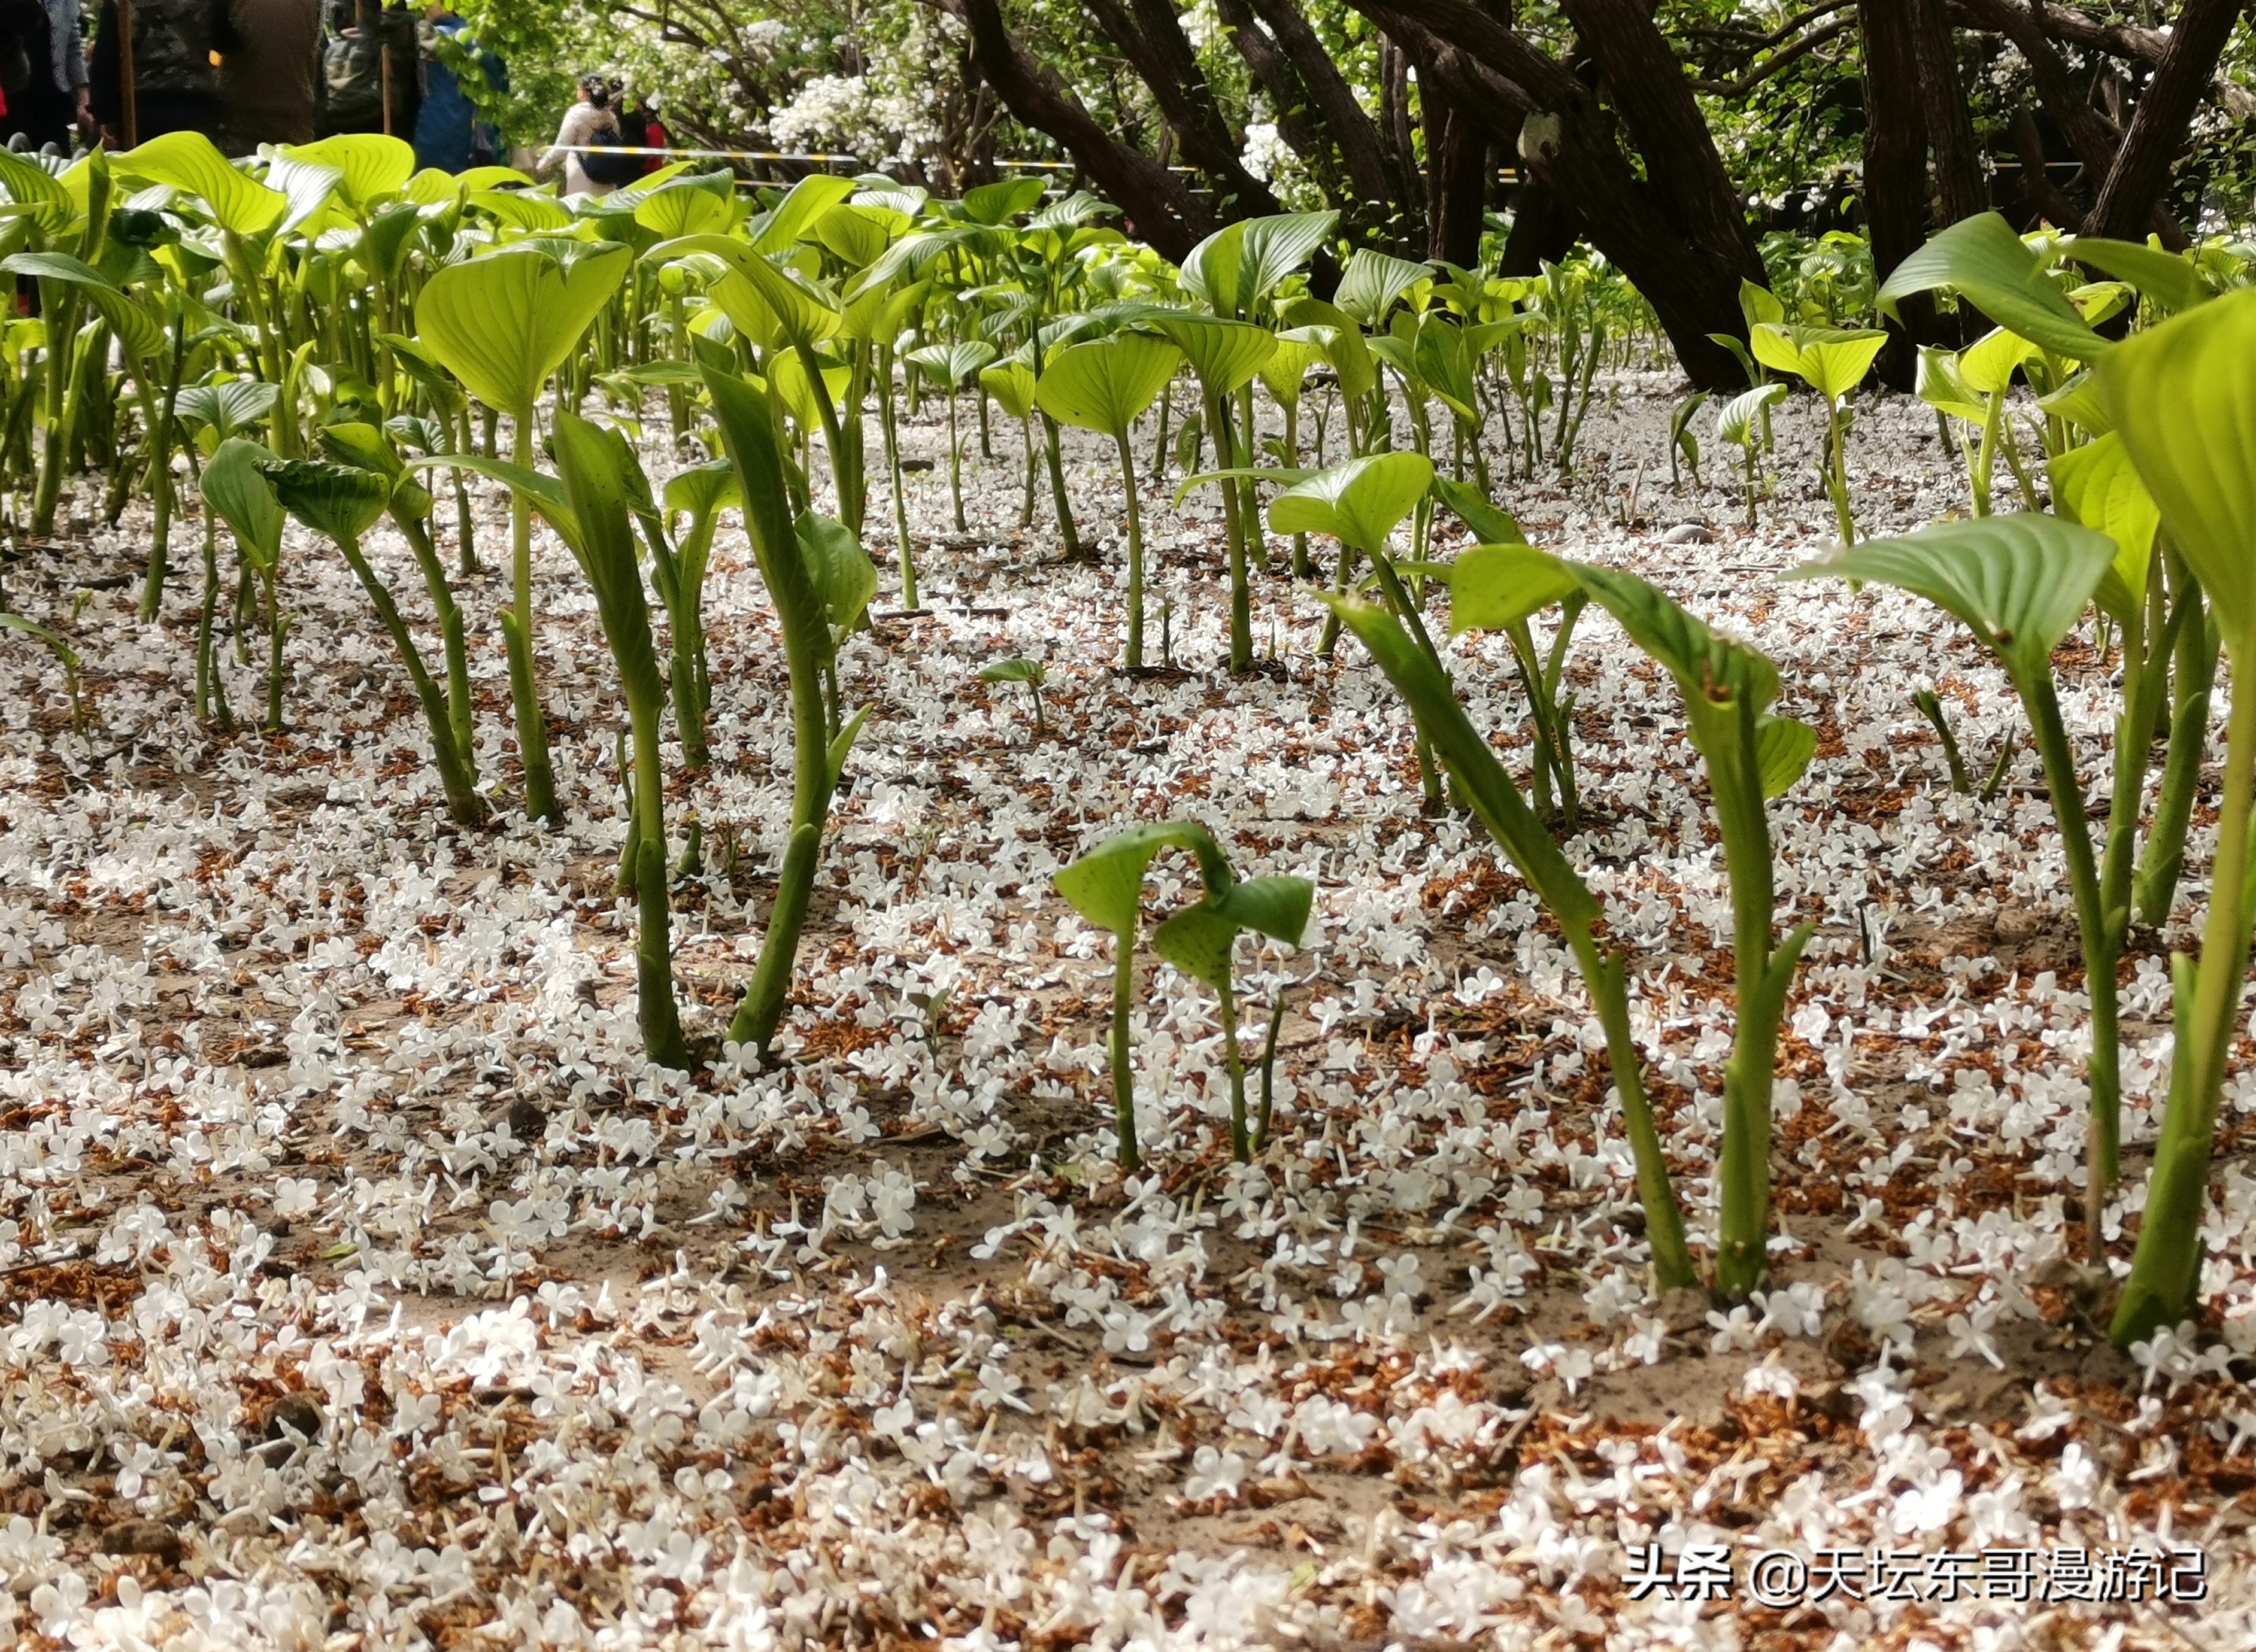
point(1645, 84)
point(1158, 206)
point(1543, 229)
point(2046, 198)
point(1960, 186)
point(1497, 79)
point(2063, 23)
point(2134, 189)
point(1150, 35)
point(1895, 168)
point(1362, 152)
point(1453, 221)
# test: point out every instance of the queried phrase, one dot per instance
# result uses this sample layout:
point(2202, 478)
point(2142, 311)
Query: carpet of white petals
point(361, 1286)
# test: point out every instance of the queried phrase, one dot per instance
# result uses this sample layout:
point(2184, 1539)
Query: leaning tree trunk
point(2141, 172)
point(1458, 198)
point(1150, 35)
point(1895, 170)
point(1159, 209)
point(1687, 251)
point(1543, 228)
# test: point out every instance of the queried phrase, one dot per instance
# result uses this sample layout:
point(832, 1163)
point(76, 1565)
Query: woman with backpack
point(589, 125)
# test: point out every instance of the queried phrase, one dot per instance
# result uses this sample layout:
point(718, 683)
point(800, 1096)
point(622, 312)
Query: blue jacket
point(446, 128)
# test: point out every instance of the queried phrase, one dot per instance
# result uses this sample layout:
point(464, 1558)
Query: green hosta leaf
point(1446, 366)
point(1337, 333)
point(229, 409)
point(234, 487)
point(1944, 387)
point(39, 191)
point(1296, 352)
point(702, 488)
point(1232, 270)
point(1014, 670)
point(544, 492)
point(139, 334)
point(1783, 748)
point(370, 165)
point(1106, 885)
point(340, 501)
point(953, 365)
point(1710, 671)
point(1199, 939)
point(1372, 284)
point(1357, 501)
point(1760, 306)
point(2078, 403)
point(2097, 485)
point(502, 323)
point(188, 162)
point(433, 186)
point(787, 378)
point(1742, 415)
point(1106, 384)
point(1011, 384)
point(796, 214)
point(1491, 522)
point(2018, 581)
point(523, 209)
point(1833, 360)
point(689, 207)
point(2171, 281)
point(362, 446)
point(1996, 272)
point(2183, 397)
point(1493, 587)
point(841, 744)
point(1224, 354)
point(757, 295)
point(1989, 364)
point(1000, 202)
point(856, 236)
point(844, 577)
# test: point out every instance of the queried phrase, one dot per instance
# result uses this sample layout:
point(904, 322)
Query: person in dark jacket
point(43, 69)
point(270, 82)
point(448, 134)
point(175, 86)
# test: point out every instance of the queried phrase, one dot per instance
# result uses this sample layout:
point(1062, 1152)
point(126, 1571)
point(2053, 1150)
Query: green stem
point(540, 801)
point(1837, 473)
point(1240, 1143)
point(1135, 554)
point(2166, 1268)
point(1124, 1078)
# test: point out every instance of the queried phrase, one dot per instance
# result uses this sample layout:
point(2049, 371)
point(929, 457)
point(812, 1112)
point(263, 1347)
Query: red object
point(655, 135)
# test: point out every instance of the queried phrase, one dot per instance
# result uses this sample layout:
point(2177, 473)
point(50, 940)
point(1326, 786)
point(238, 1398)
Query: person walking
point(270, 82)
point(175, 87)
point(642, 126)
point(587, 118)
point(448, 134)
point(43, 67)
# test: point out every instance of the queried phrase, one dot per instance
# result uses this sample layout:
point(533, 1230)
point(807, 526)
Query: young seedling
point(1021, 670)
point(1199, 939)
point(1681, 441)
point(235, 488)
point(2019, 583)
point(341, 502)
point(1931, 708)
point(502, 323)
point(1106, 887)
point(1741, 425)
point(1103, 385)
point(1484, 783)
point(1833, 361)
point(955, 365)
point(2180, 395)
point(748, 433)
point(65, 656)
point(1972, 387)
point(1225, 354)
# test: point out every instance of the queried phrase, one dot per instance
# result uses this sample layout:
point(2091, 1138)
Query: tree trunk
point(1460, 194)
point(1159, 209)
point(1543, 229)
point(1895, 168)
point(1362, 151)
point(2141, 173)
point(1693, 292)
point(1152, 42)
point(1960, 186)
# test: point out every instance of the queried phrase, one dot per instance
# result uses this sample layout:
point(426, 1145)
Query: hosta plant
point(1833, 361)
